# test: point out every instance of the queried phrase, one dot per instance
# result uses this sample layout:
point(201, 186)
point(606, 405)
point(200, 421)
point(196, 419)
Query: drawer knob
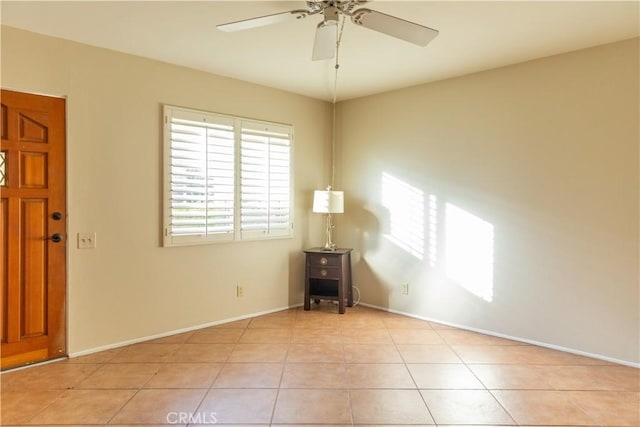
point(324, 261)
point(323, 272)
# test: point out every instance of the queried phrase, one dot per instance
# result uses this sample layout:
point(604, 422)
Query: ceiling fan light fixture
point(324, 45)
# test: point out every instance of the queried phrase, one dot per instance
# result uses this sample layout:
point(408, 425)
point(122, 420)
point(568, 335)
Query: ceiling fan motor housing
point(343, 6)
point(331, 15)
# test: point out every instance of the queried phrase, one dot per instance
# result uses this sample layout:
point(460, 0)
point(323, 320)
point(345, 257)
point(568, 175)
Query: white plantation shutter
point(280, 187)
point(201, 176)
point(225, 178)
point(220, 181)
point(265, 169)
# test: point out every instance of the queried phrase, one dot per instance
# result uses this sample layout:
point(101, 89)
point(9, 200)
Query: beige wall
point(543, 156)
point(129, 287)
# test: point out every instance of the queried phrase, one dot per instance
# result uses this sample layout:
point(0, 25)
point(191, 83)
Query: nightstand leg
point(307, 290)
point(347, 267)
point(341, 296)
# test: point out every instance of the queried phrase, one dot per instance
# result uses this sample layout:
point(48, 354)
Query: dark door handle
point(56, 238)
point(57, 216)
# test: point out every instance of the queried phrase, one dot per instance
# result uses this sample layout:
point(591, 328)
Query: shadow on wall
point(309, 226)
point(365, 238)
point(296, 277)
point(453, 246)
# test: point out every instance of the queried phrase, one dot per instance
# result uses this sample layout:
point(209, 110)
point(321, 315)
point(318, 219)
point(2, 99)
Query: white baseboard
point(31, 365)
point(454, 325)
point(177, 331)
point(509, 337)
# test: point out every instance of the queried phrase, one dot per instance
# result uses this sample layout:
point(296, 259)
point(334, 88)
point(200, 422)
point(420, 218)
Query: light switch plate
point(404, 289)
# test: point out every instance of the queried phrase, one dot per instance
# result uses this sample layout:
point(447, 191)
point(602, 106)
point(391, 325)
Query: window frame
point(237, 234)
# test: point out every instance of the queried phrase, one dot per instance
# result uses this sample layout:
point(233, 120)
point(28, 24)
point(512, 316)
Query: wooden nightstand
point(328, 276)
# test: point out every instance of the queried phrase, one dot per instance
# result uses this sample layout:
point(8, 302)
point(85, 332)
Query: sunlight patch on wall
point(405, 204)
point(433, 230)
point(469, 251)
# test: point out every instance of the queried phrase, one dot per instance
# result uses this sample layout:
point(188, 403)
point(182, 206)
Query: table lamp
point(328, 202)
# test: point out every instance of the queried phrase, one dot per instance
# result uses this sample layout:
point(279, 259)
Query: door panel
point(33, 127)
point(33, 170)
point(3, 268)
point(4, 111)
point(33, 274)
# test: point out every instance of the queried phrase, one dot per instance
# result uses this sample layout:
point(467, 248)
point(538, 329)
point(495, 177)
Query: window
point(226, 178)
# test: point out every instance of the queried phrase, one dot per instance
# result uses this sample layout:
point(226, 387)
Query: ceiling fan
point(327, 31)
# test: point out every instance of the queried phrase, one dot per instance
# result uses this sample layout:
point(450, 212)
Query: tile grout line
point(284, 367)
point(406, 366)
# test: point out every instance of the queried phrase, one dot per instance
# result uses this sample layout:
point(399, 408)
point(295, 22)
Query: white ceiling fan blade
point(393, 26)
point(260, 21)
point(324, 46)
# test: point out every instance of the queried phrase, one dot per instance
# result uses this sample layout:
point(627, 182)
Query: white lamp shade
point(325, 201)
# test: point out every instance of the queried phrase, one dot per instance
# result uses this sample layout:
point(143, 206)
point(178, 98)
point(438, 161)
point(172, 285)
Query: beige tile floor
point(365, 367)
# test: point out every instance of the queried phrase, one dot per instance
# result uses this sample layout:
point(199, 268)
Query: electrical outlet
point(239, 291)
point(404, 289)
point(86, 240)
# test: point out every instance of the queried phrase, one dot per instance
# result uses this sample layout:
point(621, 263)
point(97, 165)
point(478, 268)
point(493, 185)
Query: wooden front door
point(33, 231)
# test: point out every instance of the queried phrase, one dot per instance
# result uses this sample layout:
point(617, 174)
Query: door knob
point(56, 238)
point(57, 216)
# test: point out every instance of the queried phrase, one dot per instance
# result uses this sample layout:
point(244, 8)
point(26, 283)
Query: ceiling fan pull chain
point(338, 41)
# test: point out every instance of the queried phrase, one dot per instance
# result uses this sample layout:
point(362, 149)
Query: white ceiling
point(474, 36)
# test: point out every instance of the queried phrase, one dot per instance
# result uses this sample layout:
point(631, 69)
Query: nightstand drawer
point(324, 273)
point(321, 260)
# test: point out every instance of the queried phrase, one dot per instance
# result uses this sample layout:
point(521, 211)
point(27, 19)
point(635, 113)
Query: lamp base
point(329, 246)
